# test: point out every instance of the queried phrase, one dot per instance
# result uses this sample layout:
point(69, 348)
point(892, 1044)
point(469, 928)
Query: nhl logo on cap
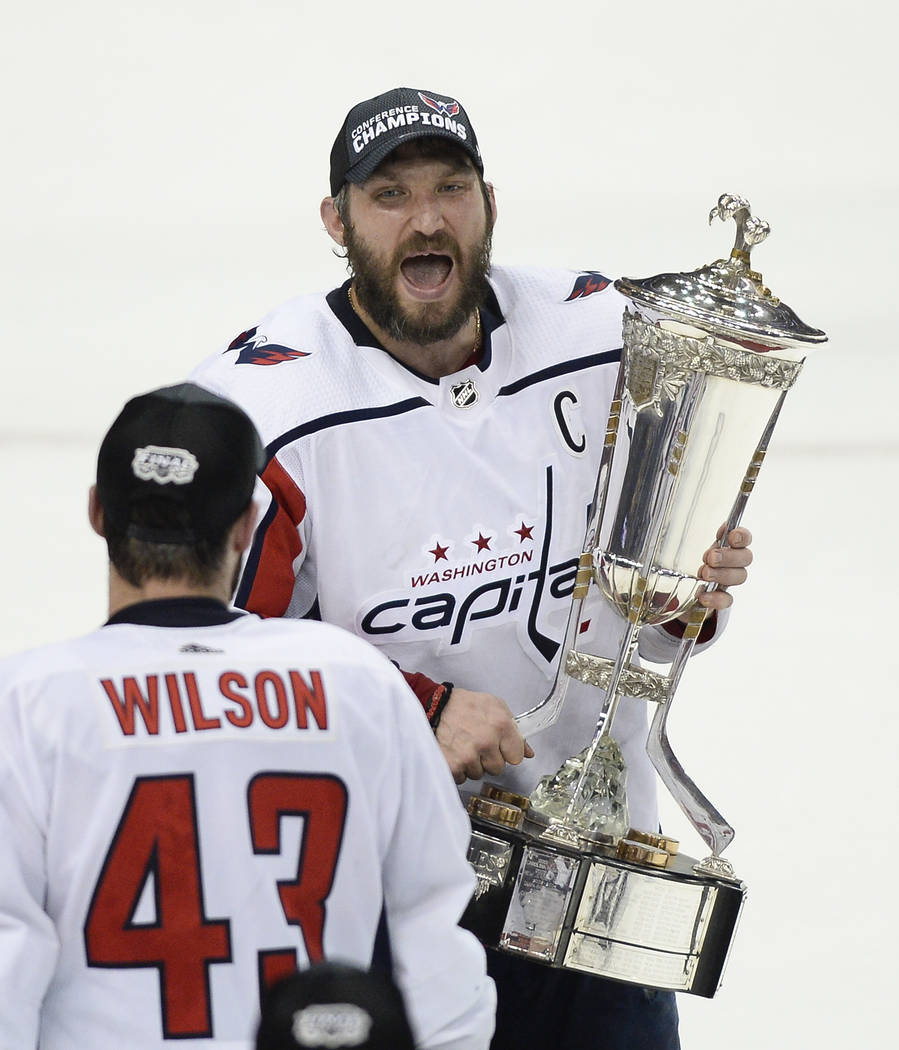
point(178, 463)
point(331, 1025)
point(164, 465)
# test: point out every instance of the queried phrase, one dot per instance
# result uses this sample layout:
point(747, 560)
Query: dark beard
point(374, 286)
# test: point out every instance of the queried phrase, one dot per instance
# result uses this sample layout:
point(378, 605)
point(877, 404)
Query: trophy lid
point(726, 297)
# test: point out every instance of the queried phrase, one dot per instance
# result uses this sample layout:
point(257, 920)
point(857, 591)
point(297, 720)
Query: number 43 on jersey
point(157, 836)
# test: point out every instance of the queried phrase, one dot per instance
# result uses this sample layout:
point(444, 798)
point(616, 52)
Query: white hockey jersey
point(189, 811)
point(442, 519)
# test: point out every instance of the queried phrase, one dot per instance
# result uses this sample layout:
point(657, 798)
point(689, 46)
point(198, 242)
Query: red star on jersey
point(524, 532)
point(439, 552)
point(482, 542)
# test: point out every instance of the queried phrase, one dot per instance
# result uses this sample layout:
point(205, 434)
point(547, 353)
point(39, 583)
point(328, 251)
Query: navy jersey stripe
point(561, 369)
point(251, 566)
point(338, 419)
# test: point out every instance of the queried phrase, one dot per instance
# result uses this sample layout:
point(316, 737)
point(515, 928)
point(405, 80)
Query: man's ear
point(491, 196)
point(95, 512)
point(332, 220)
point(242, 531)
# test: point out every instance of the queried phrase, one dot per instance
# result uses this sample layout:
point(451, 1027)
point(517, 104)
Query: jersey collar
point(339, 301)
point(176, 612)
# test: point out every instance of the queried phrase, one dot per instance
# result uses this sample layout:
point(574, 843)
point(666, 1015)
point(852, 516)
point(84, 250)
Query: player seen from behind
point(195, 801)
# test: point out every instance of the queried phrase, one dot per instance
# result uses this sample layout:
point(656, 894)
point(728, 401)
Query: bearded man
point(433, 430)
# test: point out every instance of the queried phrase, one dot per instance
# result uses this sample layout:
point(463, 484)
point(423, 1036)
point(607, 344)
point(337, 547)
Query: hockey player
point(195, 801)
point(433, 430)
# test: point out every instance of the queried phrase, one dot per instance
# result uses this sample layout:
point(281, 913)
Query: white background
point(161, 174)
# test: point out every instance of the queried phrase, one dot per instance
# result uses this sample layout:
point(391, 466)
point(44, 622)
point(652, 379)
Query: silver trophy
point(708, 359)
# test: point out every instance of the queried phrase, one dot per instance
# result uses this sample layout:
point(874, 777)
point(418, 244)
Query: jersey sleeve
point(269, 584)
point(269, 577)
point(29, 946)
point(659, 645)
point(428, 692)
point(428, 883)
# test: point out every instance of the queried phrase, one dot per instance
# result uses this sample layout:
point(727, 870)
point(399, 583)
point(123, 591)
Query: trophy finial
point(727, 295)
point(750, 230)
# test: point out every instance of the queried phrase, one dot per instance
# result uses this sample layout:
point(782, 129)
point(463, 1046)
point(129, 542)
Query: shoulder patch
point(256, 350)
point(587, 283)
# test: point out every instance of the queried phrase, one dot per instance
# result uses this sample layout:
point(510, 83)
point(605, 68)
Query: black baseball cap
point(375, 128)
point(177, 465)
point(335, 1006)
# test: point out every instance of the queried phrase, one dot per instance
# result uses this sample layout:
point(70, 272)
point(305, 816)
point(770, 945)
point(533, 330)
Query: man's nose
point(427, 217)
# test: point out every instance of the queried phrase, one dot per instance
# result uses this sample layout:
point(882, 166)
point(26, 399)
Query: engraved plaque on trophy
point(708, 358)
point(599, 911)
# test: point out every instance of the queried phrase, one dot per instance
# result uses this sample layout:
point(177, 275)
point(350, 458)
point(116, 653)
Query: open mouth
point(427, 273)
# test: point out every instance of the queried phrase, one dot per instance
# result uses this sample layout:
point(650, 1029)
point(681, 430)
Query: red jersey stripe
point(273, 575)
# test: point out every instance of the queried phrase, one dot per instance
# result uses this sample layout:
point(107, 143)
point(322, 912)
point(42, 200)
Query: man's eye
point(388, 194)
point(452, 187)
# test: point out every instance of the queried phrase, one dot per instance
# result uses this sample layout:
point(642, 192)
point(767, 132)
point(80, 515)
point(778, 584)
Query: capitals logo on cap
point(164, 465)
point(447, 109)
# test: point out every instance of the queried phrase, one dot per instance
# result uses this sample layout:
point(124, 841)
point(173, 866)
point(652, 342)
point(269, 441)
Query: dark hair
point(138, 561)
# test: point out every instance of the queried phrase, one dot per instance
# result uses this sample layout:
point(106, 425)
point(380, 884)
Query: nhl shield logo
point(464, 394)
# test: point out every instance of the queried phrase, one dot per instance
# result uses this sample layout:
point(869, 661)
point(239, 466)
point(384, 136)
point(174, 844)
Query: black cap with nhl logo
point(331, 1006)
point(178, 464)
point(375, 128)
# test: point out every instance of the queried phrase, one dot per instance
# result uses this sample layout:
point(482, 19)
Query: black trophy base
point(596, 913)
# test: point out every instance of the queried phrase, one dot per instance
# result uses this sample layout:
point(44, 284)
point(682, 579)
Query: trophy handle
point(705, 818)
point(547, 712)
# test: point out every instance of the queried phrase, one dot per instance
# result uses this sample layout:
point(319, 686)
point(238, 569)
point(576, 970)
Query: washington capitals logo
point(590, 281)
point(447, 109)
point(254, 350)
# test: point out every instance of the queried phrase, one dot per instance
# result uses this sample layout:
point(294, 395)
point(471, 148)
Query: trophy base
point(597, 913)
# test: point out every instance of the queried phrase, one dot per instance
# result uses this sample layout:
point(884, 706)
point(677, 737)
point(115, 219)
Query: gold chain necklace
point(354, 303)
point(476, 349)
